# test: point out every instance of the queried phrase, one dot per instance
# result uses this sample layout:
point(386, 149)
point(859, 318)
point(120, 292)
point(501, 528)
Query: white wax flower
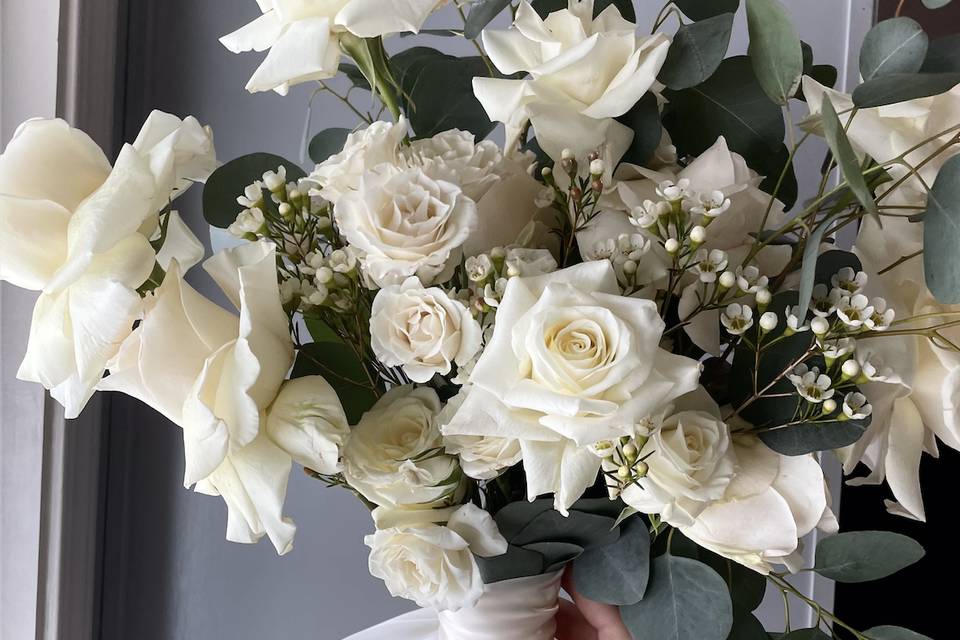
point(571, 362)
point(583, 73)
point(215, 375)
point(424, 331)
point(78, 230)
point(406, 224)
point(303, 36)
point(434, 565)
point(395, 456)
point(307, 421)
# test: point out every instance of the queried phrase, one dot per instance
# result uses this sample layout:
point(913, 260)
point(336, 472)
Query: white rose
point(788, 495)
point(364, 151)
point(424, 331)
point(455, 156)
point(77, 229)
point(481, 457)
point(583, 73)
point(406, 224)
point(303, 36)
point(307, 421)
point(434, 565)
point(571, 362)
point(215, 375)
point(691, 464)
point(395, 456)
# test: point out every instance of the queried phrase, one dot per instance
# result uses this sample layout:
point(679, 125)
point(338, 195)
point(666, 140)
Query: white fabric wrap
point(521, 609)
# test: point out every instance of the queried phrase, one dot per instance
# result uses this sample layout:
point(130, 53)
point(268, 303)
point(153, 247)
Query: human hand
point(585, 619)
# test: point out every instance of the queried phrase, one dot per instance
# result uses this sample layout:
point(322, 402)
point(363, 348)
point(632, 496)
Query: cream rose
point(481, 457)
point(424, 331)
point(364, 151)
point(406, 224)
point(77, 230)
point(455, 156)
point(395, 455)
point(571, 362)
point(788, 495)
point(583, 73)
point(215, 375)
point(303, 36)
point(307, 421)
point(433, 564)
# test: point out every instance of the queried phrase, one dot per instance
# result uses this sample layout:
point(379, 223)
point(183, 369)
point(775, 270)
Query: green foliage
point(902, 87)
point(863, 556)
point(774, 49)
point(846, 157)
point(482, 12)
point(328, 142)
point(941, 234)
point(898, 45)
point(355, 76)
point(696, 52)
point(893, 633)
point(805, 634)
point(616, 573)
point(825, 74)
point(227, 183)
point(644, 119)
point(341, 367)
point(546, 7)
point(703, 9)
point(747, 627)
point(437, 92)
point(943, 55)
point(685, 600)
point(936, 4)
point(541, 540)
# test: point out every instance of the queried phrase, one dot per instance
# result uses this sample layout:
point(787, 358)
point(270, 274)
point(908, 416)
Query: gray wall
point(168, 573)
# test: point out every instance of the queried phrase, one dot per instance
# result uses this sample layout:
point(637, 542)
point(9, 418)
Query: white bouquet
point(617, 344)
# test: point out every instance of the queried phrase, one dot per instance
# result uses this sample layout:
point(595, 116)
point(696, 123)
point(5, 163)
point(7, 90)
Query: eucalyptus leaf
point(805, 634)
point(644, 120)
point(228, 182)
point(941, 234)
point(898, 45)
point(845, 156)
point(696, 51)
point(943, 55)
point(355, 76)
point(774, 49)
point(482, 12)
point(584, 529)
point(556, 554)
point(812, 437)
point(616, 573)
point(747, 627)
point(546, 7)
point(686, 600)
point(517, 562)
point(936, 4)
point(339, 365)
point(902, 87)
point(887, 632)
point(328, 142)
point(703, 9)
point(863, 556)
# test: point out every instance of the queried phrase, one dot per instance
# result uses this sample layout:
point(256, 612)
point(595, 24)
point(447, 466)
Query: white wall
point(170, 573)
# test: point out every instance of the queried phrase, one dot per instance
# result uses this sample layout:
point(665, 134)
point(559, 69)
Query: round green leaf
point(941, 234)
point(686, 600)
point(893, 633)
point(936, 4)
point(774, 49)
point(644, 120)
point(747, 627)
point(943, 55)
point(902, 87)
point(227, 183)
point(898, 45)
point(546, 7)
point(703, 9)
point(696, 52)
point(517, 562)
point(862, 556)
point(328, 142)
point(616, 573)
point(811, 437)
point(339, 365)
point(482, 12)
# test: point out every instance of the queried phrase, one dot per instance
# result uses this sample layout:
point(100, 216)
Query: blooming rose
point(583, 73)
point(78, 230)
point(406, 224)
point(422, 330)
point(571, 362)
point(307, 421)
point(455, 156)
point(364, 151)
point(395, 456)
point(215, 375)
point(304, 35)
point(434, 564)
point(691, 464)
point(481, 457)
point(771, 503)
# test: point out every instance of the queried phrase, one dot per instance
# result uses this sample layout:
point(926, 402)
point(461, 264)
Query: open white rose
point(307, 421)
point(455, 156)
point(215, 375)
point(395, 456)
point(406, 224)
point(424, 331)
point(303, 36)
point(75, 228)
point(583, 73)
point(772, 502)
point(365, 150)
point(571, 362)
point(481, 457)
point(691, 464)
point(433, 564)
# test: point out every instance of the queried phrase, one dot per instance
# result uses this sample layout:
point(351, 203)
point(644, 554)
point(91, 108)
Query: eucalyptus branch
point(477, 46)
point(822, 613)
point(900, 262)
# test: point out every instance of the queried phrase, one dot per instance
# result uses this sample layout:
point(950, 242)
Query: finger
point(605, 618)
